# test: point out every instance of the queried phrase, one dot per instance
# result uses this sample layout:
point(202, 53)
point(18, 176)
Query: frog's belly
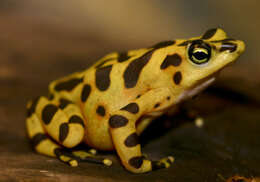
point(98, 136)
point(97, 133)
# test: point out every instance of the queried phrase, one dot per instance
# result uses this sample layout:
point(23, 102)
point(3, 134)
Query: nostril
point(228, 46)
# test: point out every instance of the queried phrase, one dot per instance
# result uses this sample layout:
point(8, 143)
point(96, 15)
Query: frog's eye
point(199, 52)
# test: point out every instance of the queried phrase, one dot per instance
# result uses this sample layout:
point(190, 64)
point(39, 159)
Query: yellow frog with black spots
point(108, 105)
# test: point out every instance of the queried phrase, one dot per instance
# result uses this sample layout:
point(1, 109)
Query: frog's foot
point(72, 158)
point(90, 156)
point(162, 163)
point(66, 157)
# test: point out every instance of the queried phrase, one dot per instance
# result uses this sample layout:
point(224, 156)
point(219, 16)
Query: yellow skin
point(109, 104)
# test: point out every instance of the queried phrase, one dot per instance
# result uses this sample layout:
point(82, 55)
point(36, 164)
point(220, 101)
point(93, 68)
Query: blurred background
point(42, 40)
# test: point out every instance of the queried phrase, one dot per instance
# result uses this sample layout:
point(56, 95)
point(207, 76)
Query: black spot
point(168, 98)
point(38, 138)
point(223, 40)
point(101, 111)
point(51, 97)
point(138, 96)
point(122, 56)
point(163, 44)
point(210, 33)
point(174, 60)
point(64, 103)
point(239, 180)
point(117, 121)
point(185, 43)
point(68, 85)
point(132, 108)
point(134, 69)
point(85, 92)
point(168, 161)
point(157, 165)
point(32, 108)
point(194, 96)
point(58, 152)
point(228, 46)
point(157, 105)
point(104, 61)
point(64, 130)
point(132, 140)
point(76, 119)
point(177, 77)
point(136, 162)
point(62, 152)
point(48, 112)
point(103, 77)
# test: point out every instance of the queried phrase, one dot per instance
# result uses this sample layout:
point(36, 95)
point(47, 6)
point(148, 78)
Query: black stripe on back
point(134, 69)
point(85, 92)
point(104, 62)
point(123, 56)
point(210, 33)
point(103, 77)
point(68, 85)
point(185, 43)
point(163, 44)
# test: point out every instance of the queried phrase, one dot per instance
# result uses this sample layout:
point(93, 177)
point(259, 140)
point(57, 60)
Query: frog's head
point(203, 57)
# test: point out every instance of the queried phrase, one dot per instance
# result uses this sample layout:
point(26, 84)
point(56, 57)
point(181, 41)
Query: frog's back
point(99, 77)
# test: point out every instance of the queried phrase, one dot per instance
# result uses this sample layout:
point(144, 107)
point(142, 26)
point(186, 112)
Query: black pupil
point(200, 55)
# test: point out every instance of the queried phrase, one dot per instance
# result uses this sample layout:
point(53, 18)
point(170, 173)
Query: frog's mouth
point(198, 87)
point(201, 85)
point(204, 82)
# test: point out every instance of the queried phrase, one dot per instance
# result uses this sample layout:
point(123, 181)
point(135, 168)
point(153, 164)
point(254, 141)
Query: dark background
point(43, 40)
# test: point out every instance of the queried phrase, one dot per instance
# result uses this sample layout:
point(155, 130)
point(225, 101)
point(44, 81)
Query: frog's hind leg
point(61, 119)
point(43, 144)
point(66, 127)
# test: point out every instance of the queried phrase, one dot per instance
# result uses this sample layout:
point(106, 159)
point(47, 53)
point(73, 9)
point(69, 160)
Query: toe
point(170, 159)
point(73, 163)
point(93, 151)
point(107, 162)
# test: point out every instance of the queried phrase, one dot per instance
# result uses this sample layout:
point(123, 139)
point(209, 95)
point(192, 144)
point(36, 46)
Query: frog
point(110, 104)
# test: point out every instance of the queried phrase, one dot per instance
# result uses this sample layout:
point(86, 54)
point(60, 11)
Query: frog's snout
point(240, 46)
point(237, 46)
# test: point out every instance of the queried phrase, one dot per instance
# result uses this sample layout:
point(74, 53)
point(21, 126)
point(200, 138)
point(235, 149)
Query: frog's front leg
point(123, 130)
